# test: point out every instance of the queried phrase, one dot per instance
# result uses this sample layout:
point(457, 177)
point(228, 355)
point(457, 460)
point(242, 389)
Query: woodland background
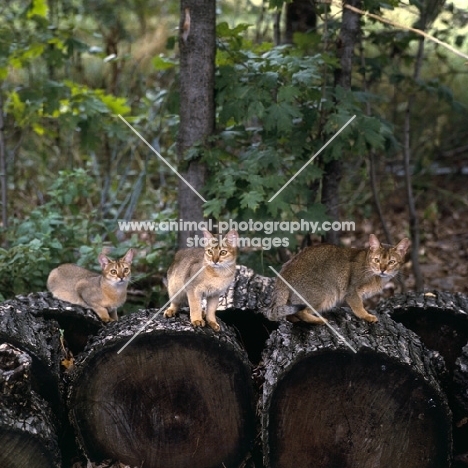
point(70, 168)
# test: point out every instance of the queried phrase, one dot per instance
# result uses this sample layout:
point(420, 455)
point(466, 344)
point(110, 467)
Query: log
point(439, 318)
point(241, 308)
point(176, 396)
point(461, 381)
point(28, 427)
point(40, 339)
point(78, 324)
point(324, 405)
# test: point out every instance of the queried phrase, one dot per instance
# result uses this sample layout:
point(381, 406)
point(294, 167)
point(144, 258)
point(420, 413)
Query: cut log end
point(327, 407)
point(342, 410)
point(174, 397)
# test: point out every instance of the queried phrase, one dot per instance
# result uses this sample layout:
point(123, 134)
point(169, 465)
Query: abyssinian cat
point(325, 275)
point(103, 293)
point(214, 268)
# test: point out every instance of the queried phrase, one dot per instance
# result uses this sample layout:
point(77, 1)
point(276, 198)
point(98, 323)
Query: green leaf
point(116, 105)
point(161, 63)
point(288, 93)
point(251, 200)
point(39, 8)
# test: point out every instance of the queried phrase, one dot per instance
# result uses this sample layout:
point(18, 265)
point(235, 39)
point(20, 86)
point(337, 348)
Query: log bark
point(460, 378)
point(326, 406)
point(28, 427)
point(176, 396)
point(77, 323)
point(241, 308)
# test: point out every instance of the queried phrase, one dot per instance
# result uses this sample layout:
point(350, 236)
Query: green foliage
point(275, 111)
point(59, 231)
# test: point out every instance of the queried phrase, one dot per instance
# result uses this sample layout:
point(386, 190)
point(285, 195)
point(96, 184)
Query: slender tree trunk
point(3, 168)
point(413, 215)
point(300, 17)
point(197, 44)
point(345, 52)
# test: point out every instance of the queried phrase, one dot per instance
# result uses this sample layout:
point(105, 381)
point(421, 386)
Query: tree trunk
point(346, 42)
point(3, 167)
point(197, 43)
point(176, 396)
point(28, 428)
point(300, 17)
point(325, 406)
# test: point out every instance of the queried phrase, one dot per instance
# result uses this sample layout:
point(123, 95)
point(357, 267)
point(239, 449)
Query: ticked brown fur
point(102, 293)
point(326, 275)
point(202, 272)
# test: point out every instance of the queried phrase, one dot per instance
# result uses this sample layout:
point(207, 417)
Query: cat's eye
point(377, 260)
point(210, 251)
point(391, 262)
point(223, 252)
point(126, 270)
point(113, 271)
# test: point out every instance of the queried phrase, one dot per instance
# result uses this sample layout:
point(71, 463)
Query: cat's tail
point(279, 306)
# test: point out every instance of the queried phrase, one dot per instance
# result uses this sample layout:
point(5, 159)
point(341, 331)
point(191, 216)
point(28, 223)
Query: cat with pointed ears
point(103, 293)
point(327, 275)
point(202, 272)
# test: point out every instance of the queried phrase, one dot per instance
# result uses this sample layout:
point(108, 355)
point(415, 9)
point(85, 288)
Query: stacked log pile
point(256, 394)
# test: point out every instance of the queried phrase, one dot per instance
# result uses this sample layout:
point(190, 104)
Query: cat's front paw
point(170, 312)
point(371, 318)
point(198, 323)
point(214, 325)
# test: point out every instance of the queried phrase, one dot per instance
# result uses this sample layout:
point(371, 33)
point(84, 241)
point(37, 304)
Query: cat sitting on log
point(199, 272)
point(326, 275)
point(103, 293)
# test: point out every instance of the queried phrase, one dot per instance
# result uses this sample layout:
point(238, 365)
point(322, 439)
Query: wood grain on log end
point(28, 428)
point(325, 406)
point(176, 396)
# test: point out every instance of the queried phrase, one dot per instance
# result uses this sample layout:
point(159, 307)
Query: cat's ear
point(374, 243)
point(207, 234)
point(232, 237)
point(128, 257)
point(103, 260)
point(210, 240)
point(402, 246)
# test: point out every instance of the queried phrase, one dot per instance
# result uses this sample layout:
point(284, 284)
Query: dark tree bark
point(28, 427)
point(346, 42)
point(461, 382)
point(176, 396)
point(325, 406)
point(197, 43)
point(300, 17)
